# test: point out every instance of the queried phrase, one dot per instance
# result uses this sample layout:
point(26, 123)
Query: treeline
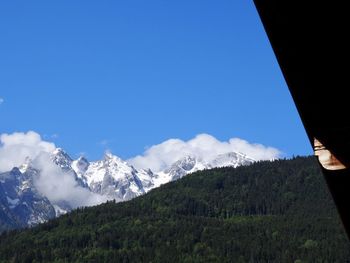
point(277, 211)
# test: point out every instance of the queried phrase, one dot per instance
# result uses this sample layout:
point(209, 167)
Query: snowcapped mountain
point(232, 159)
point(180, 168)
point(23, 204)
point(80, 166)
point(113, 178)
point(190, 164)
point(62, 159)
point(21, 201)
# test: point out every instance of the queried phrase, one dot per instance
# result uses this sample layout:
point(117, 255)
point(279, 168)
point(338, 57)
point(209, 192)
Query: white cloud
point(59, 186)
point(15, 147)
point(1, 100)
point(203, 146)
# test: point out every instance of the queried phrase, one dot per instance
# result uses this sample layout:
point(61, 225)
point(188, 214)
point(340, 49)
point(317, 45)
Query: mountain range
point(278, 211)
point(26, 201)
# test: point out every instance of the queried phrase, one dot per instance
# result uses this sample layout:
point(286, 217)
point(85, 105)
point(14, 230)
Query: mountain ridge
point(108, 179)
point(277, 211)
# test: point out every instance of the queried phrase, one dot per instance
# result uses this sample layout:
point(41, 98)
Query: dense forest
point(277, 211)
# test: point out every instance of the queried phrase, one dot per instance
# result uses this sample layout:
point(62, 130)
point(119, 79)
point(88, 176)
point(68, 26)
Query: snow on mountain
point(232, 159)
point(62, 159)
point(21, 199)
point(147, 178)
point(26, 165)
point(22, 204)
point(190, 164)
point(115, 178)
point(182, 167)
point(66, 163)
point(80, 167)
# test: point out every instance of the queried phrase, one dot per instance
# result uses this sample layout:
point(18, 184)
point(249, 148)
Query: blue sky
point(125, 75)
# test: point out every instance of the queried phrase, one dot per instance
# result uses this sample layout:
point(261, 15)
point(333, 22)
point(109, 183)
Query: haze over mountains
point(49, 182)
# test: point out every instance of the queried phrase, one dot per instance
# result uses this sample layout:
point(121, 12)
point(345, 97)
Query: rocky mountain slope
point(24, 203)
point(277, 211)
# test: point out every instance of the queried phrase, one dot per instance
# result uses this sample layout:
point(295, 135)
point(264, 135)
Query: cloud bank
point(15, 147)
point(58, 186)
point(61, 187)
point(203, 146)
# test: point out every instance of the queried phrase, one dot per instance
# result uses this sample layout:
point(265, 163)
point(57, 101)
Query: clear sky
point(125, 75)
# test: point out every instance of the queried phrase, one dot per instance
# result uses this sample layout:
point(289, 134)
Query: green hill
point(277, 211)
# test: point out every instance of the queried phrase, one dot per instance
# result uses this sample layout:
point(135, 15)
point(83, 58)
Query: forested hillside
point(277, 211)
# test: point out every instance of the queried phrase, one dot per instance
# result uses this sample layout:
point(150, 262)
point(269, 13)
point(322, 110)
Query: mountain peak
point(58, 151)
point(111, 177)
point(82, 159)
point(16, 171)
point(61, 158)
point(187, 163)
point(80, 166)
point(108, 156)
point(233, 159)
point(26, 165)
